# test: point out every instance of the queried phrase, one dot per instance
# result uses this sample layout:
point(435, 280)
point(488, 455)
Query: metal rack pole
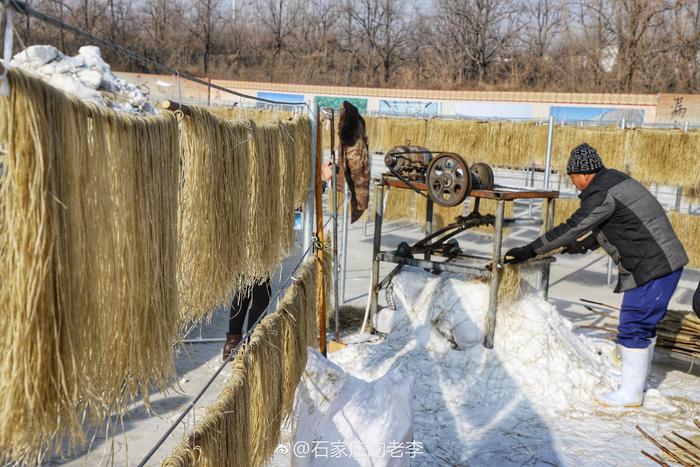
point(428, 223)
point(344, 245)
point(334, 195)
point(548, 224)
point(378, 218)
point(495, 276)
point(310, 198)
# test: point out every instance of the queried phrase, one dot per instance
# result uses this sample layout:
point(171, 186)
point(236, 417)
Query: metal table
point(461, 263)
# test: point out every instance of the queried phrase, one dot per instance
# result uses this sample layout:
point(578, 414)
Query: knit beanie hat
point(584, 159)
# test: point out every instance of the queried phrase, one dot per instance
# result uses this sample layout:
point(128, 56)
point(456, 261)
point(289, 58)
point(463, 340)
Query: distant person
point(624, 218)
point(253, 304)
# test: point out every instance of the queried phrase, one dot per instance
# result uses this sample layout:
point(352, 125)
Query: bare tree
point(565, 45)
point(279, 19)
point(543, 23)
point(163, 22)
point(206, 24)
point(383, 29)
point(634, 23)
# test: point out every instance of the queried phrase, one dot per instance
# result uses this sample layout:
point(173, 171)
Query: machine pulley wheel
point(448, 179)
point(484, 176)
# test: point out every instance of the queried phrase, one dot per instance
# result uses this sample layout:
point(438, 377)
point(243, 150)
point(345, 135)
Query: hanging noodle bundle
point(242, 428)
point(214, 207)
point(669, 157)
point(240, 187)
point(88, 264)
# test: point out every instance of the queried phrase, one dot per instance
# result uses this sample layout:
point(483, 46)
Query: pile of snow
point(344, 420)
point(528, 401)
point(533, 343)
point(86, 76)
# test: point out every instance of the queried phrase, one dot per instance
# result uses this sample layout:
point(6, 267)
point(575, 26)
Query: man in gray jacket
point(619, 214)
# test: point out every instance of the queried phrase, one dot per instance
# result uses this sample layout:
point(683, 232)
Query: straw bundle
point(669, 157)
point(687, 228)
point(242, 428)
point(680, 332)
point(88, 264)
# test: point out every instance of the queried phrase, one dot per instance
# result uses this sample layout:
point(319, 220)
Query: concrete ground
point(572, 278)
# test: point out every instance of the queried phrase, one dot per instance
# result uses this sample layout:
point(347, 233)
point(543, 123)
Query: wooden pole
point(320, 276)
point(174, 106)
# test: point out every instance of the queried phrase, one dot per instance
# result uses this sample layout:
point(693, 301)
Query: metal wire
point(23, 8)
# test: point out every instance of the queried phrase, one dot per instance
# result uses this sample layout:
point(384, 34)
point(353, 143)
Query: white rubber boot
point(635, 365)
point(651, 357)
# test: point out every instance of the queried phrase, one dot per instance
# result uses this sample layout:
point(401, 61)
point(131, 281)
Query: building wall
point(635, 108)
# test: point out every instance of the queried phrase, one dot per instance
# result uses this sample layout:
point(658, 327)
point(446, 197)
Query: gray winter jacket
point(628, 222)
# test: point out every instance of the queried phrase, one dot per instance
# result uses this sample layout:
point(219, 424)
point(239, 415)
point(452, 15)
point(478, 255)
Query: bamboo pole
point(320, 278)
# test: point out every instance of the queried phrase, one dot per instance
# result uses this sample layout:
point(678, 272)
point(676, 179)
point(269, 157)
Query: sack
point(341, 420)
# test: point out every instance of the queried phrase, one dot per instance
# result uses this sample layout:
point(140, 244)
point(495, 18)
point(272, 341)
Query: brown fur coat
point(354, 158)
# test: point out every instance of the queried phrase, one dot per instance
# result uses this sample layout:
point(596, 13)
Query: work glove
point(520, 254)
point(576, 248)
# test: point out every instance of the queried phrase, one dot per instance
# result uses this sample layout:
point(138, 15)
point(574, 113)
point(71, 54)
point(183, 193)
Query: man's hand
point(520, 254)
point(327, 170)
point(576, 248)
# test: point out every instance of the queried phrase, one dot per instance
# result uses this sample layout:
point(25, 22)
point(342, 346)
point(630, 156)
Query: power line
point(25, 9)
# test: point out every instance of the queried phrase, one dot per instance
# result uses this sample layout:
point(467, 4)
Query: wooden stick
point(320, 278)
point(697, 423)
point(599, 303)
point(174, 106)
point(693, 456)
point(655, 459)
point(662, 447)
